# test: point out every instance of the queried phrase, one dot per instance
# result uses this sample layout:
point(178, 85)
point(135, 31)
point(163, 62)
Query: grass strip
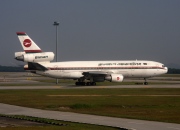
point(157, 104)
point(65, 125)
point(35, 119)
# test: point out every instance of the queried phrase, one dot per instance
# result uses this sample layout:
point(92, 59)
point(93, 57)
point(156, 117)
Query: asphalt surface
point(90, 119)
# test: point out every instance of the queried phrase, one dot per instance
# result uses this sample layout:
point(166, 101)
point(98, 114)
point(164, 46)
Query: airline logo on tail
point(32, 53)
point(27, 43)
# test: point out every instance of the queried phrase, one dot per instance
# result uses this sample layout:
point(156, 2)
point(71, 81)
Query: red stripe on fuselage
point(92, 68)
point(96, 68)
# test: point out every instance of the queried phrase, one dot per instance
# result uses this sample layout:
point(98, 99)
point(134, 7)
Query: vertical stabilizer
point(27, 43)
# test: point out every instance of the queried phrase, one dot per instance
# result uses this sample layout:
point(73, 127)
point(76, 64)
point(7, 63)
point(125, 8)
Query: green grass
point(54, 124)
point(146, 103)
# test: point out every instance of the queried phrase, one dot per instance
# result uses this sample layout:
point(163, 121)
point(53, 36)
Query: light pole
point(56, 24)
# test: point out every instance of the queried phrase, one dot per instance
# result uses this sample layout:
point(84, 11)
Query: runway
point(130, 124)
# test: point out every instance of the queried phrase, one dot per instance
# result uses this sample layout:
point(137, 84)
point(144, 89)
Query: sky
point(94, 29)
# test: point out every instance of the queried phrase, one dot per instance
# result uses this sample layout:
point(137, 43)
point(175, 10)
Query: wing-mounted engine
point(115, 78)
point(34, 57)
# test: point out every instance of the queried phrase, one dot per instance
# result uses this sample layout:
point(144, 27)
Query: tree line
point(12, 69)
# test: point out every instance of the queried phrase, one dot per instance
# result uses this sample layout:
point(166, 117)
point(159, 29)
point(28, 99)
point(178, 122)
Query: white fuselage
point(94, 71)
point(75, 69)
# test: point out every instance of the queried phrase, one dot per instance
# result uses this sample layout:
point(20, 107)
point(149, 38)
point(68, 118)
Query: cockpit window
point(145, 63)
point(163, 66)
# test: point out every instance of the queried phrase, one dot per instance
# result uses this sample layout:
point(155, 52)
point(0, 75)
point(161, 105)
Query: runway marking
point(113, 95)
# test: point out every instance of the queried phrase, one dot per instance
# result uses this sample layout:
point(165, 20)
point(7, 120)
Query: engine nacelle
point(34, 57)
point(19, 55)
point(115, 78)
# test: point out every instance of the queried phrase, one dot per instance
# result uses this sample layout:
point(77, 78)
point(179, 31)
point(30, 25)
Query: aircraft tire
point(83, 83)
point(93, 83)
point(77, 83)
point(88, 83)
point(145, 83)
point(80, 83)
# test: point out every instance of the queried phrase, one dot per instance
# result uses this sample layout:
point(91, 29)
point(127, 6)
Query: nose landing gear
point(145, 82)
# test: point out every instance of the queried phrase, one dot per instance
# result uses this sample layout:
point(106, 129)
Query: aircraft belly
point(62, 74)
point(138, 73)
point(126, 73)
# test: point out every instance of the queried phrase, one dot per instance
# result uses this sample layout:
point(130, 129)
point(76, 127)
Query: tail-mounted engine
point(34, 57)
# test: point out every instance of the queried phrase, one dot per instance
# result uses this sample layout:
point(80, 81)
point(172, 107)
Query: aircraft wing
point(36, 66)
point(95, 73)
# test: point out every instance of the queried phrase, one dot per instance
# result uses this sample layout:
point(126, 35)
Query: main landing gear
point(85, 83)
point(145, 83)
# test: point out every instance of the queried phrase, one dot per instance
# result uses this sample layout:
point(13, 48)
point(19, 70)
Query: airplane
point(85, 72)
